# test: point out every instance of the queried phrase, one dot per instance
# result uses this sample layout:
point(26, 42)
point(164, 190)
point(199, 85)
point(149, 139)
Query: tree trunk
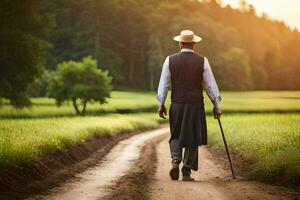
point(75, 106)
point(84, 107)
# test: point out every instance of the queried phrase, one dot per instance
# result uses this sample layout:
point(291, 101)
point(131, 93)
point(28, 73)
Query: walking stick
point(223, 136)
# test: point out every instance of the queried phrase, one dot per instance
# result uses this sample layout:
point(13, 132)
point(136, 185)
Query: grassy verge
point(23, 140)
point(271, 141)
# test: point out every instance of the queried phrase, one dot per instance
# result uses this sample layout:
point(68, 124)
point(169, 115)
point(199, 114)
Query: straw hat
point(187, 36)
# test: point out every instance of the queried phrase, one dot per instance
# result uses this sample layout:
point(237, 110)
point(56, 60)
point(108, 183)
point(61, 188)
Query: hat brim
point(196, 38)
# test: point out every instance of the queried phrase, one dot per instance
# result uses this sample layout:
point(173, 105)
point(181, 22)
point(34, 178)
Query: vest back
point(186, 77)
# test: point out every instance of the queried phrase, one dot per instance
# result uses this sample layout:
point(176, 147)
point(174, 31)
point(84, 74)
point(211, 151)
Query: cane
point(223, 136)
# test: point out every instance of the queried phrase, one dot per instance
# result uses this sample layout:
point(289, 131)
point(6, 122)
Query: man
point(186, 71)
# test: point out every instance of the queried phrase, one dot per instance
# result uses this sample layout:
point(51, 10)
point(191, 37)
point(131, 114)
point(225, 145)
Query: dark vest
point(186, 77)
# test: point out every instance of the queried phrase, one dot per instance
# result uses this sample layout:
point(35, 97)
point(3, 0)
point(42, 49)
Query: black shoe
point(187, 178)
point(174, 172)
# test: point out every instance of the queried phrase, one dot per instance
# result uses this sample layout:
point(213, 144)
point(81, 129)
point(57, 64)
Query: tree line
point(131, 38)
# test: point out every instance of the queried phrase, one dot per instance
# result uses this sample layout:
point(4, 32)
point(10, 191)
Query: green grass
point(261, 101)
point(131, 102)
point(271, 141)
point(257, 102)
point(127, 102)
point(23, 140)
point(30, 133)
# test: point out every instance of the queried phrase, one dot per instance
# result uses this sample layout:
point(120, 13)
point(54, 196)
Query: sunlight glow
point(287, 11)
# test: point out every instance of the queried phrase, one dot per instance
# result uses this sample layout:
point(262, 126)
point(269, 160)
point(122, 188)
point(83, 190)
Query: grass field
point(261, 101)
point(131, 102)
point(120, 102)
point(271, 141)
point(23, 140)
point(260, 126)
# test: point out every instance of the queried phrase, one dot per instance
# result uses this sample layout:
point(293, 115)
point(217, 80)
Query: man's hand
point(162, 111)
point(217, 112)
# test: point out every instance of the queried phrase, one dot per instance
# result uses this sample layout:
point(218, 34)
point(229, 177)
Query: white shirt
point(210, 84)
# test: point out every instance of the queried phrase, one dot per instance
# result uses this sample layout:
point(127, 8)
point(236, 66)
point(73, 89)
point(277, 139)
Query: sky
point(282, 10)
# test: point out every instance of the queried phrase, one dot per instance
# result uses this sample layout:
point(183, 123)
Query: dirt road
point(94, 183)
point(137, 168)
point(213, 182)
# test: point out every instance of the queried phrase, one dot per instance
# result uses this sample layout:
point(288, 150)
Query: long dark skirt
point(188, 123)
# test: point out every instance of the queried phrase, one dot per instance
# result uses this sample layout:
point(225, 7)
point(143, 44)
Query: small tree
point(80, 81)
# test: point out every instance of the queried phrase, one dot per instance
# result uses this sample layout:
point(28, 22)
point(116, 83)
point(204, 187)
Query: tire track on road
point(213, 182)
point(94, 183)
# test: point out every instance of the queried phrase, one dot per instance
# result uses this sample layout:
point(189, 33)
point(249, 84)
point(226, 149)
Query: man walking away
point(185, 71)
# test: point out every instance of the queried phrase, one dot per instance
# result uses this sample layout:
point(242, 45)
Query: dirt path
point(95, 182)
point(213, 182)
point(137, 168)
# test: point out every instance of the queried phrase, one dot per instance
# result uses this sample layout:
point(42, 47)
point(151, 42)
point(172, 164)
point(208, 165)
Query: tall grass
point(271, 141)
point(23, 140)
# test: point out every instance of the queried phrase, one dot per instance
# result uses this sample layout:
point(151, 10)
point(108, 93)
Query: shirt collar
point(187, 50)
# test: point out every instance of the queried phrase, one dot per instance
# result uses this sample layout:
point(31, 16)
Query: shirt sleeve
point(164, 82)
point(210, 84)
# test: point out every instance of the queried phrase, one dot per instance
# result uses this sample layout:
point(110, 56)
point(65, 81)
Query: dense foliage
point(132, 38)
point(22, 47)
point(81, 81)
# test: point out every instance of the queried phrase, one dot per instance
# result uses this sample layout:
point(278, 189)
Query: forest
point(245, 51)
point(131, 39)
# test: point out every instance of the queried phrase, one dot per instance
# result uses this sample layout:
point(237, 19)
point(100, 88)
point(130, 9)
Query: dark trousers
point(190, 159)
